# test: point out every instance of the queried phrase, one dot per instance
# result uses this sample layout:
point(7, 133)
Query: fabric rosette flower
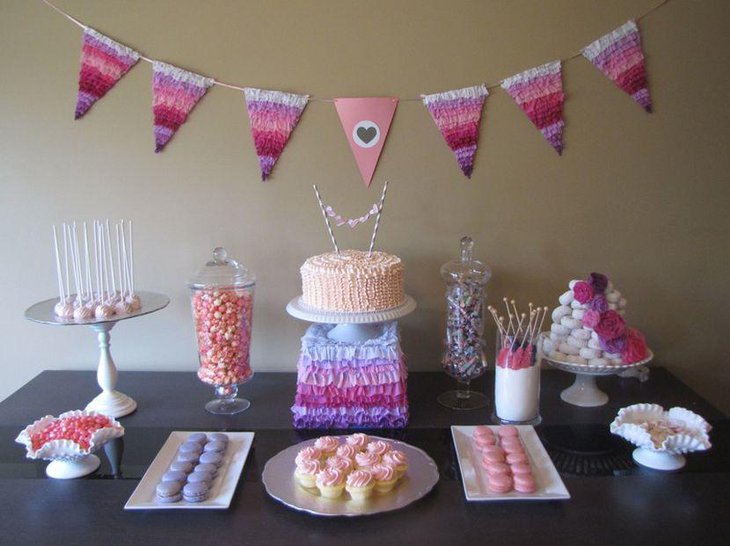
point(583, 292)
point(615, 346)
point(591, 318)
point(635, 349)
point(611, 326)
point(599, 303)
point(598, 282)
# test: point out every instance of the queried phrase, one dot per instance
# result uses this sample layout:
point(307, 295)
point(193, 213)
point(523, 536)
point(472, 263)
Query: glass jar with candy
point(463, 357)
point(222, 303)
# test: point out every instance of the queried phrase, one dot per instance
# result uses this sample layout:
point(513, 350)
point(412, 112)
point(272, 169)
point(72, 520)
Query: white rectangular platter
point(474, 477)
point(145, 498)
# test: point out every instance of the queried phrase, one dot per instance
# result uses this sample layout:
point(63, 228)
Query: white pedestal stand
point(658, 460)
point(75, 468)
point(109, 402)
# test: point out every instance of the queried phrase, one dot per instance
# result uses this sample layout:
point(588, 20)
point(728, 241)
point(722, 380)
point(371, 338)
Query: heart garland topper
point(352, 222)
point(366, 121)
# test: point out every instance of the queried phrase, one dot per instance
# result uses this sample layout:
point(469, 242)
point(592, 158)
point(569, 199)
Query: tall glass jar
point(463, 357)
point(222, 303)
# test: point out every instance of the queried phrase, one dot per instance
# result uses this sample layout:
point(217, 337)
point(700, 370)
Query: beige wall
point(641, 197)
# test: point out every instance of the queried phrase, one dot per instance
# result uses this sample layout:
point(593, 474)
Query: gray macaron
point(168, 492)
point(195, 492)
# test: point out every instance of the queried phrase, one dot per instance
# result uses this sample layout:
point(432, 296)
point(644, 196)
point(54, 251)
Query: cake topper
point(328, 212)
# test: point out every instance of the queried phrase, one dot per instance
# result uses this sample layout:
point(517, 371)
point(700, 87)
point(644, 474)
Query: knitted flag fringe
point(620, 57)
point(175, 92)
point(103, 63)
point(539, 93)
point(273, 115)
point(457, 114)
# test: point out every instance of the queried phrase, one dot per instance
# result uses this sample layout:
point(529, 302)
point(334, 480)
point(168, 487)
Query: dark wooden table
point(613, 501)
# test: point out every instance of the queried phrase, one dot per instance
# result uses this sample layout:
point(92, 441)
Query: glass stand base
point(228, 406)
point(459, 401)
point(499, 421)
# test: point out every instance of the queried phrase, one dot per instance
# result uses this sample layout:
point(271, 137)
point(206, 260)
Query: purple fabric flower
point(598, 282)
point(591, 318)
point(599, 304)
point(615, 346)
point(583, 292)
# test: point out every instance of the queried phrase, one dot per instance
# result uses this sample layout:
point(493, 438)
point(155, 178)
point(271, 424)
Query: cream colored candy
point(572, 283)
point(581, 333)
point(568, 349)
point(575, 359)
point(548, 346)
point(560, 312)
point(575, 342)
point(575, 304)
point(559, 329)
point(557, 337)
point(577, 314)
point(598, 362)
point(589, 354)
point(566, 298)
point(613, 307)
point(594, 343)
point(613, 297)
point(571, 323)
point(557, 355)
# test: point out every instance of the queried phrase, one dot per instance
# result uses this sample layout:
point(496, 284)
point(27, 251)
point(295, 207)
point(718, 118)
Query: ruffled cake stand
point(350, 327)
point(110, 401)
point(584, 392)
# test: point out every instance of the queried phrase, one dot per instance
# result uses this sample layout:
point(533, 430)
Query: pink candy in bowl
point(222, 305)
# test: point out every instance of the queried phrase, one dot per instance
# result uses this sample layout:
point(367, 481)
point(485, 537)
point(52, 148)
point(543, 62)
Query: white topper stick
point(326, 220)
point(377, 220)
point(131, 260)
point(61, 295)
point(125, 258)
point(119, 263)
point(111, 256)
point(87, 269)
point(65, 259)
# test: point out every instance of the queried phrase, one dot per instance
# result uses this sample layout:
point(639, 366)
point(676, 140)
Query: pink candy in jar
point(222, 304)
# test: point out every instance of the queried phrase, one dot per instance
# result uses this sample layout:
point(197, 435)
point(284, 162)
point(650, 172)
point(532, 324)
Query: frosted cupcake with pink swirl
point(378, 447)
point(327, 445)
point(310, 452)
point(330, 482)
point(364, 460)
point(360, 485)
point(346, 450)
point(358, 440)
point(398, 460)
point(306, 472)
point(343, 464)
point(385, 477)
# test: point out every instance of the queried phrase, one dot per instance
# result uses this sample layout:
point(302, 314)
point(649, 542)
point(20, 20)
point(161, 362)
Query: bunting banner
point(457, 114)
point(366, 122)
point(539, 93)
point(175, 92)
point(273, 115)
point(103, 63)
point(620, 57)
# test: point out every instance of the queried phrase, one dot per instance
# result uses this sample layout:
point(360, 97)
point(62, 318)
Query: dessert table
point(612, 499)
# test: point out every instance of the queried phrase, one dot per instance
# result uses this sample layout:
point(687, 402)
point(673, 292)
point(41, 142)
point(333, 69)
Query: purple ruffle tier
point(343, 385)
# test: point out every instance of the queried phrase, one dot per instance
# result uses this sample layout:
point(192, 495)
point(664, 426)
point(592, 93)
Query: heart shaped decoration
point(367, 134)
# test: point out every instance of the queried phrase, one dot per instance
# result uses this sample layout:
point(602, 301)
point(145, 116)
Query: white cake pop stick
point(65, 259)
point(119, 262)
point(87, 268)
point(124, 258)
point(111, 258)
point(73, 262)
point(59, 275)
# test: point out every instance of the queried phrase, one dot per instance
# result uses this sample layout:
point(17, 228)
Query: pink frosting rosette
point(340, 463)
point(379, 447)
point(583, 292)
point(309, 467)
point(611, 326)
point(360, 478)
point(308, 453)
point(635, 347)
point(330, 477)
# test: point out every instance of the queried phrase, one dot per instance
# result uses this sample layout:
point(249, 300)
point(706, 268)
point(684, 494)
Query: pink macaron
point(496, 468)
point(521, 468)
point(516, 457)
point(493, 457)
point(500, 483)
point(481, 431)
point(484, 441)
point(506, 431)
point(525, 483)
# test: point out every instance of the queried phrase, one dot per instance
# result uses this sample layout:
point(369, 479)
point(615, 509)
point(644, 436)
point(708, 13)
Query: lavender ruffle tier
point(351, 385)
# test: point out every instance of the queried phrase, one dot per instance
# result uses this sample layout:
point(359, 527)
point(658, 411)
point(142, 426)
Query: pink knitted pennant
point(539, 93)
point(103, 63)
point(175, 92)
point(620, 57)
point(457, 114)
point(273, 115)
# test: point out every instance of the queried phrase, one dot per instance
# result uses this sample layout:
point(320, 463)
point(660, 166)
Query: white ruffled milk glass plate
point(662, 436)
point(419, 479)
point(474, 477)
point(144, 496)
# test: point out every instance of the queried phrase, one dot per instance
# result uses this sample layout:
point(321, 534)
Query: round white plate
point(419, 479)
point(298, 309)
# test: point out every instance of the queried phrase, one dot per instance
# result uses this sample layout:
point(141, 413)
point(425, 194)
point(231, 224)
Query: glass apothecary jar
point(463, 357)
point(221, 295)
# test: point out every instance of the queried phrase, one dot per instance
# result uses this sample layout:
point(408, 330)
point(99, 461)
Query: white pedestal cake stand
point(109, 402)
point(584, 392)
point(351, 327)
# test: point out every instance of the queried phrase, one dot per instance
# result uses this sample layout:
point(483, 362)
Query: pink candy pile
point(223, 329)
point(505, 460)
point(79, 429)
point(519, 359)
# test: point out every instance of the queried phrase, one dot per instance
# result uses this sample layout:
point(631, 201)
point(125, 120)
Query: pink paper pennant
point(366, 122)
point(175, 92)
point(103, 63)
point(457, 114)
point(273, 115)
point(620, 57)
point(539, 93)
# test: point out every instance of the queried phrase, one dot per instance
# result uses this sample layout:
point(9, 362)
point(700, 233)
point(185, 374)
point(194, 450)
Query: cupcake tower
point(588, 326)
point(351, 384)
point(359, 466)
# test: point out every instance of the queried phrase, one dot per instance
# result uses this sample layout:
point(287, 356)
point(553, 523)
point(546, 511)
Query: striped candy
point(103, 63)
point(539, 92)
point(457, 114)
point(619, 56)
point(175, 92)
point(273, 115)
